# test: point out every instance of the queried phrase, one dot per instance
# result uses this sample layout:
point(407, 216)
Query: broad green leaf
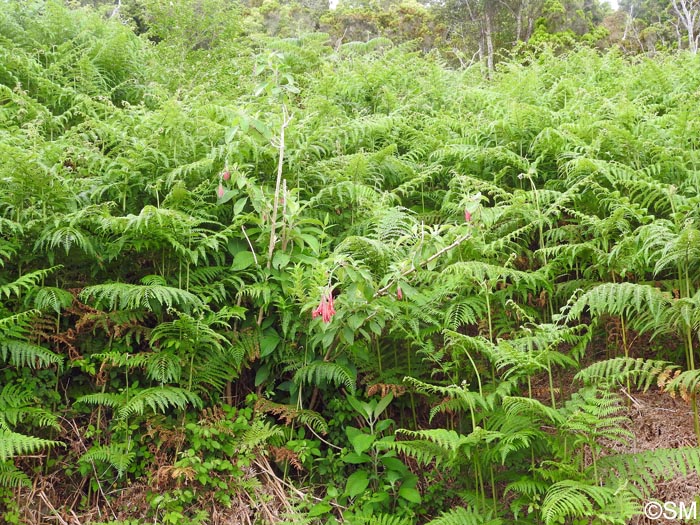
point(268, 343)
point(280, 260)
point(320, 509)
point(410, 494)
point(262, 374)
point(242, 260)
point(382, 404)
point(357, 483)
point(356, 459)
point(227, 196)
point(240, 204)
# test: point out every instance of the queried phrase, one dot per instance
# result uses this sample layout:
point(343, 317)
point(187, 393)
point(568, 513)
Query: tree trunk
point(488, 35)
point(530, 27)
point(687, 12)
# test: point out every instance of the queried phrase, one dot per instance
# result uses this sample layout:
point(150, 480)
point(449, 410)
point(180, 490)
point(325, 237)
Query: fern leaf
point(117, 455)
point(642, 372)
point(465, 516)
point(322, 372)
point(14, 444)
point(23, 354)
point(11, 477)
point(26, 282)
point(121, 296)
point(574, 499)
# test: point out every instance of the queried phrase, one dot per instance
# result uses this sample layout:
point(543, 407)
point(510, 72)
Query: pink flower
point(467, 215)
point(226, 175)
point(399, 293)
point(325, 308)
point(220, 190)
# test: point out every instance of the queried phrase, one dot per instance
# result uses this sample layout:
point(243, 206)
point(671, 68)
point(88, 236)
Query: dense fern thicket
point(277, 281)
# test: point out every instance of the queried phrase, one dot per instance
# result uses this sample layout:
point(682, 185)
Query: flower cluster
point(225, 175)
point(325, 308)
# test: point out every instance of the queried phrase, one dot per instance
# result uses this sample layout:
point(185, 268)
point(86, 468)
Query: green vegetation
point(296, 280)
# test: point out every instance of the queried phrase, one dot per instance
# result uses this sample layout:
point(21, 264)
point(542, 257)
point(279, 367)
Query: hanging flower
point(325, 308)
point(220, 190)
point(467, 214)
point(399, 293)
point(226, 175)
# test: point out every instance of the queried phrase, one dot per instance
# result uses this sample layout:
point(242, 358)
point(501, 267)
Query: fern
point(26, 282)
point(442, 446)
point(687, 383)
point(21, 354)
point(465, 516)
point(16, 407)
point(642, 303)
point(158, 399)
point(14, 444)
point(321, 372)
point(574, 499)
point(117, 455)
point(642, 372)
point(134, 297)
point(52, 298)
point(11, 477)
point(643, 470)
point(290, 414)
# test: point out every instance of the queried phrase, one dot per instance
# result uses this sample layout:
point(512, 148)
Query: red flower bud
point(220, 190)
point(399, 293)
point(226, 175)
point(467, 216)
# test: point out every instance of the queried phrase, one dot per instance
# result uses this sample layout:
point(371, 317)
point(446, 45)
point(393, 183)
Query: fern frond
point(51, 298)
point(516, 406)
point(14, 444)
point(641, 372)
point(687, 383)
point(158, 399)
point(641, 302)
point(322, 372)
point(26, 282)
point(117, 455)
point(441, 445)
point(465, 516)
point(23, 354)
point(573, 499)
point(121, 296)
point(647, 468)
point(290, 413)
point(11, 477)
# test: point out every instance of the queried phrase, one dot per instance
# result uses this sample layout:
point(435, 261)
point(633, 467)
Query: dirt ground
point(661, 421)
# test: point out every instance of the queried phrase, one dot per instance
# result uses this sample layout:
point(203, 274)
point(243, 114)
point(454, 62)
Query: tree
point(687, 12)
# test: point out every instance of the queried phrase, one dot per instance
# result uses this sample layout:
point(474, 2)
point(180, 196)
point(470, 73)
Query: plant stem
point(413, 269)
point(286, 119)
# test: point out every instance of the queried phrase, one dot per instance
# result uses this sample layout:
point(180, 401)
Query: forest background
point(387, 263)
